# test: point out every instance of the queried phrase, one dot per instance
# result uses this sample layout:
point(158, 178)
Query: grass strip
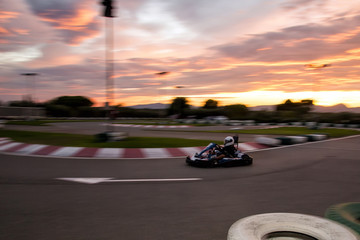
point(45, 122)
point(79, 140)
point(135, 122)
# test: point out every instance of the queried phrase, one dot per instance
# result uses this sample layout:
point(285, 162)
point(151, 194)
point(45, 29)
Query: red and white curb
point(18, 148)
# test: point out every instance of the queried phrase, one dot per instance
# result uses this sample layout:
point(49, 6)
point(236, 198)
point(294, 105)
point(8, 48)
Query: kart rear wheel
point(247, 159)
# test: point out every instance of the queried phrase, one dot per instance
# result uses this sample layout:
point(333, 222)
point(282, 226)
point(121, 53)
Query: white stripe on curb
point(66, 151)
point(4, 140)
point(190, 150)
point(9, 145)
point(246, 147)
point(31, 149)
point(109, 153)
point(155, 153)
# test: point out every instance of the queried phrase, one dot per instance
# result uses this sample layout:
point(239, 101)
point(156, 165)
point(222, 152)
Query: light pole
point(30, 85)
point(109, 57)
point(316, 67)
point(179, 87)
point(163, 75)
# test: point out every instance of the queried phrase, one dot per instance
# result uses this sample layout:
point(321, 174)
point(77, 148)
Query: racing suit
point(229, 151)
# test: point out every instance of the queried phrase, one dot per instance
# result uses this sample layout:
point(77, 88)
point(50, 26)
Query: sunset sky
point(234, 51)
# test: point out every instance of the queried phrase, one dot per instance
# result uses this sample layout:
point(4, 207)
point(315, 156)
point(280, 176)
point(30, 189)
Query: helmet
point(228, 141)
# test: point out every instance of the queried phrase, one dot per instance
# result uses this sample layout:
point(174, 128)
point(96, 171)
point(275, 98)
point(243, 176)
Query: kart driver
point(228, 150)
point(217, 153)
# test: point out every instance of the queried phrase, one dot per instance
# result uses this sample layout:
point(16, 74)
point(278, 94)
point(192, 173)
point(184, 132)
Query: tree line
point(288, 111)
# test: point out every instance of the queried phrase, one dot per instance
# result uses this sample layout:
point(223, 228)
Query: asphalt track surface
point(35, 204)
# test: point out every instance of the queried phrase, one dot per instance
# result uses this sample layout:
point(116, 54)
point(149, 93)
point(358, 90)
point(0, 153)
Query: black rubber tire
point(259, 227)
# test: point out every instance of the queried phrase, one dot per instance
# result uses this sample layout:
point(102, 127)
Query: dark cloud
point(298, 43)
point(211, 18)
point(296, 4)
point(253, 47)
point(53, 8)
point(74, 21)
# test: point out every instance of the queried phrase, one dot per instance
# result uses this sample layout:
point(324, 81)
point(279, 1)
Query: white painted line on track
point(110, 180)
point(156, 180)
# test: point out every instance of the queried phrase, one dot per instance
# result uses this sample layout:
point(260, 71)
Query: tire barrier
point(316, 137)
point(285, 140)
point(268, 141)
point(347, 214)
point(288, 226)
point(298, 139)
point(289, 140)
point(110, 136)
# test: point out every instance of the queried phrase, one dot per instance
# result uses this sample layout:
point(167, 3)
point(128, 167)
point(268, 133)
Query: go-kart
point(206, 159)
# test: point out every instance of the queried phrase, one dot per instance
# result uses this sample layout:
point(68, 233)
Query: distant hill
point(263, 108)
point(321, 109)
point(335, 109)
point(150, 106)
point(317, 108)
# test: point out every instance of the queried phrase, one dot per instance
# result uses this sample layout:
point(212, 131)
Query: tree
point(23, 103)
point(302, 107)
point(211, 104)
point(59, 111)
point(72, 101)
point(236, 111)
point(178, 106)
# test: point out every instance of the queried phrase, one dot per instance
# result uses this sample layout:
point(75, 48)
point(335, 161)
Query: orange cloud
point(290, 71)
point(152, 84)
point(264, 49)
point(76, 26)
point(54, 61)
point(353, 51)
point(77, 22)
point(342, 36)
point(292, 43)
point(4, 31)
point(5, 15)
point(136, 74)
point(21, 31)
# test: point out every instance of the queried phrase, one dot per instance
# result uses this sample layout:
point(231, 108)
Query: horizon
point(339, 104)
point(219, 103)
point(253, 53)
